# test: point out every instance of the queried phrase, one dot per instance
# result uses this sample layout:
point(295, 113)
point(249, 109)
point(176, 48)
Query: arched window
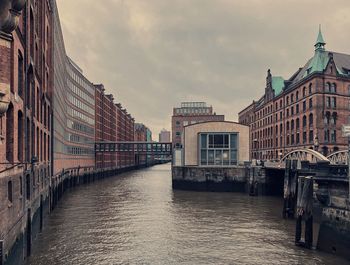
point(20, 136)
point(328, 87)
point(287, 126)
point(333, 88)
point(304, 91)
point(292, 125)
point(310, 88)
point(311, 119)
point(9, 133)
point(304, 121)
point(20, 74)
point(297, 96)
point(297, 123)
point(9, 191)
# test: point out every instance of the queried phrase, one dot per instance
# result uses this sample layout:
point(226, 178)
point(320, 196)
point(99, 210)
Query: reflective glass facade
point(218, 149)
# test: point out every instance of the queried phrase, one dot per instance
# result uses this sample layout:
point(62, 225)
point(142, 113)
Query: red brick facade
point(308, 113)
point(189, 113)
point(105, 124)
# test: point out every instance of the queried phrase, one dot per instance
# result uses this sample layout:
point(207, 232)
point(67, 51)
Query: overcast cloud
point(154, 54)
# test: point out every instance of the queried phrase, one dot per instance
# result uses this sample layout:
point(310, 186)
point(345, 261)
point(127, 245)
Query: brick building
point(190, 113)
point(140, 136)
point(106, 129)
point(125, 133)
point(305, 111)
point(26, 76)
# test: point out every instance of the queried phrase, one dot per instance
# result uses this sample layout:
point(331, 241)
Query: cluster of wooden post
point(290, 188)
point(304, 212)
point(298, 203)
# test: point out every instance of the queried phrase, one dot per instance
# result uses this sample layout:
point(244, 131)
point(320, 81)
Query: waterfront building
point(73, 111)
point(190, 113)
point(106, 129)
point(140, 136)
point(125, 133)
point(215, 144)
point(164, 136)
point(26, 77)
point(305, 111)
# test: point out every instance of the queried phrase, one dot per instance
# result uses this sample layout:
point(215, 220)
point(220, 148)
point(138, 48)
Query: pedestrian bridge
point(337, 158)
point(142, 148)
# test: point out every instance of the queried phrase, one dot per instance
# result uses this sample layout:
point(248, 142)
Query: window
point(9, 191)
point(311, 136)
point(177, 123)
point(20, 74)
point(292, 125)
point(304, 137)
point(311, 120)
point(328, 102)
point(327, 89)
point(326, 136)
point(304, 91)
point(297, 123)
point(297, 96)
point(333, 88)
point(310, 89)
point(292, 110)
point(292, 98)
point(333, 136)
point(218, 149)
point(304, 105)
point(304, 121)
point(297, 108)
point(297, 138)
point(178, 134)
point(310, 103)
point(333, 102)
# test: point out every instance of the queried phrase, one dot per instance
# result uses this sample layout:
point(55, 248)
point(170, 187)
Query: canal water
point(136, 218)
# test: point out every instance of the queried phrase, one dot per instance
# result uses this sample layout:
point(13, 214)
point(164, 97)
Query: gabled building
point(305, 111)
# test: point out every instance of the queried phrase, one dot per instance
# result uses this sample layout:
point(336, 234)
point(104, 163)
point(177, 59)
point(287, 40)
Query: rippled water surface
point(136, 218)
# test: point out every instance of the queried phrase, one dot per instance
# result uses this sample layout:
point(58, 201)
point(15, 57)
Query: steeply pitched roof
point(319, 61)
point(277, 84)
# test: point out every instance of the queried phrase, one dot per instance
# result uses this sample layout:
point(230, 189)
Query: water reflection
point(137, 218)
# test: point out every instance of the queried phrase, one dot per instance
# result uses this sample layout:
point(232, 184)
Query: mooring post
point(1, 252)
point(304, 212)
point(286, 190)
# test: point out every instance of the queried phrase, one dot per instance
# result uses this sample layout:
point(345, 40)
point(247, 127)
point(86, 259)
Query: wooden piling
point(304, 212)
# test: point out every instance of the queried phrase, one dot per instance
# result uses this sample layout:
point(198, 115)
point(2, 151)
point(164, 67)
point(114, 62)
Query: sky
point(154, 54)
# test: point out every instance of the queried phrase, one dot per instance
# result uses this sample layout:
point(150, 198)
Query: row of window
point(80, 127)
point(78, 115)
point(90, 98)
point(82, 82)
point(81, 105)
point(290, 99)
point(192, 111)
point(330, 136)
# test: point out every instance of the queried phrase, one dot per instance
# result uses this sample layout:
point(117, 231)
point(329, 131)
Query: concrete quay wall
point(252, 180)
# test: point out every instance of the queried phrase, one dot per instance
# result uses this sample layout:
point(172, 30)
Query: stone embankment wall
point(252, 180)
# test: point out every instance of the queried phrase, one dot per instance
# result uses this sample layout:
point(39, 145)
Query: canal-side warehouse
point(212, 157)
